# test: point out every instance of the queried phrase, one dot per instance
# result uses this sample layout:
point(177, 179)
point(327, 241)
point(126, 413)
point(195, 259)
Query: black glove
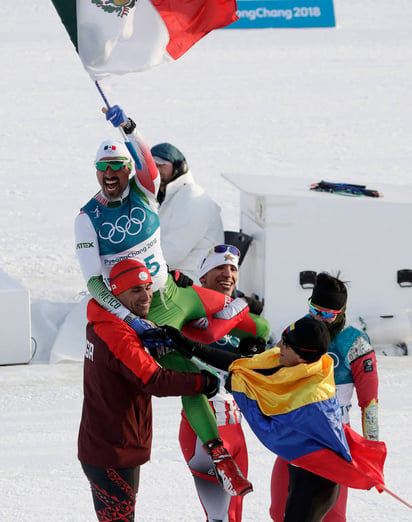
point(250, 346)
point(179, 341)
point(255, 305)
point(213, 356)
point(130, 126)
point(228, 382)
point(181, 279)
point(211, 384)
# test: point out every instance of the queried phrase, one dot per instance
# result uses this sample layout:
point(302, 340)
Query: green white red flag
point(122, 36)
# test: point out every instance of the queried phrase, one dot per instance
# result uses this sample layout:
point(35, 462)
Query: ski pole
point(128, 143)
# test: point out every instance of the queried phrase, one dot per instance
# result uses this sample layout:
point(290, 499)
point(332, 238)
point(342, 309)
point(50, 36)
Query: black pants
point(310, 496)
point(114, 492)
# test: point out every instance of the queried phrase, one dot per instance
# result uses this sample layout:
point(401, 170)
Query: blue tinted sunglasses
point(221, 249)
point(323, 314)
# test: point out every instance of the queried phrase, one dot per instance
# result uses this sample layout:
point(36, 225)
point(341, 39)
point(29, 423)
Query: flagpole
point(395, 496)
point(128, 143)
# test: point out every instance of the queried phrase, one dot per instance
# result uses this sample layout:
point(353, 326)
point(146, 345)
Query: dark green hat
point(167, 152)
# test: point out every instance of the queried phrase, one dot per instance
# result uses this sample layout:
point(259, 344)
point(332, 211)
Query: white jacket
point(190, 222)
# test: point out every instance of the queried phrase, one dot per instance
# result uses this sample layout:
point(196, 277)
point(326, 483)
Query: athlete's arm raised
point(147, 177)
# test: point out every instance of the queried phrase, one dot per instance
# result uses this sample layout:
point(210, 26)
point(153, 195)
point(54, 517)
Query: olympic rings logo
point(335, 359)
point(123, 226)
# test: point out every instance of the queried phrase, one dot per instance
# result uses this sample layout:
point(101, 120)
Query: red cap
point(128, 273)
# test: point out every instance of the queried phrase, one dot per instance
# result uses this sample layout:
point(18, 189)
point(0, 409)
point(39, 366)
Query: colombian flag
point(122, 36)
point(294, 412)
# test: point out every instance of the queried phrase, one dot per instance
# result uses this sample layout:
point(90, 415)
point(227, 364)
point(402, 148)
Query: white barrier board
point(297, 230)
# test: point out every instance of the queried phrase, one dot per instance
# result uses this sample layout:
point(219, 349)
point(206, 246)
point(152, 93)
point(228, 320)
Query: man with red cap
point(120, 377)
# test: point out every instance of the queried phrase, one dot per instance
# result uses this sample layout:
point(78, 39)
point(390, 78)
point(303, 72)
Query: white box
point(296, 229)
point(15, 325)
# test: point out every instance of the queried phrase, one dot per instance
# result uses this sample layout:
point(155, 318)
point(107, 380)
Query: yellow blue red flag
point(294, 412)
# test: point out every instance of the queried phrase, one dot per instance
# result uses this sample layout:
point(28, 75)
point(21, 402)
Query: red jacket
point(119, 379)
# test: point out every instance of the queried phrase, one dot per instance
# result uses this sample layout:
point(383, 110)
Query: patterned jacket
point(355, 368)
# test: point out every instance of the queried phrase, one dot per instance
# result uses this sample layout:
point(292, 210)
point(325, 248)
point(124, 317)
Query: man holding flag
point(118, 37)
point(121, 222)
point(288, 396)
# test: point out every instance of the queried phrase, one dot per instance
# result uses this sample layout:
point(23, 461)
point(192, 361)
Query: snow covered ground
point(318, 103)
point(41, 480)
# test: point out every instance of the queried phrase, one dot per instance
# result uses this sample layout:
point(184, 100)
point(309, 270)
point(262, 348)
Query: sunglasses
point(323, 314)
point(221, 249)
point(114, 165)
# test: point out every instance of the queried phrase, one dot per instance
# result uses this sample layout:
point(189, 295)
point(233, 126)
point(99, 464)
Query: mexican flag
point(121, 36)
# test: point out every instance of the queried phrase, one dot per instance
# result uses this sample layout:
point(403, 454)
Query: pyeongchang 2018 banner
point(284, 13)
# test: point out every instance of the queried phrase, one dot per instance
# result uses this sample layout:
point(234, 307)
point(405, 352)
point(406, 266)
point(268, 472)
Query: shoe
point(227, 471)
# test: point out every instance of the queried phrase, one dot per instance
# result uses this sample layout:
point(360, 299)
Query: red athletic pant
point(216, 503)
